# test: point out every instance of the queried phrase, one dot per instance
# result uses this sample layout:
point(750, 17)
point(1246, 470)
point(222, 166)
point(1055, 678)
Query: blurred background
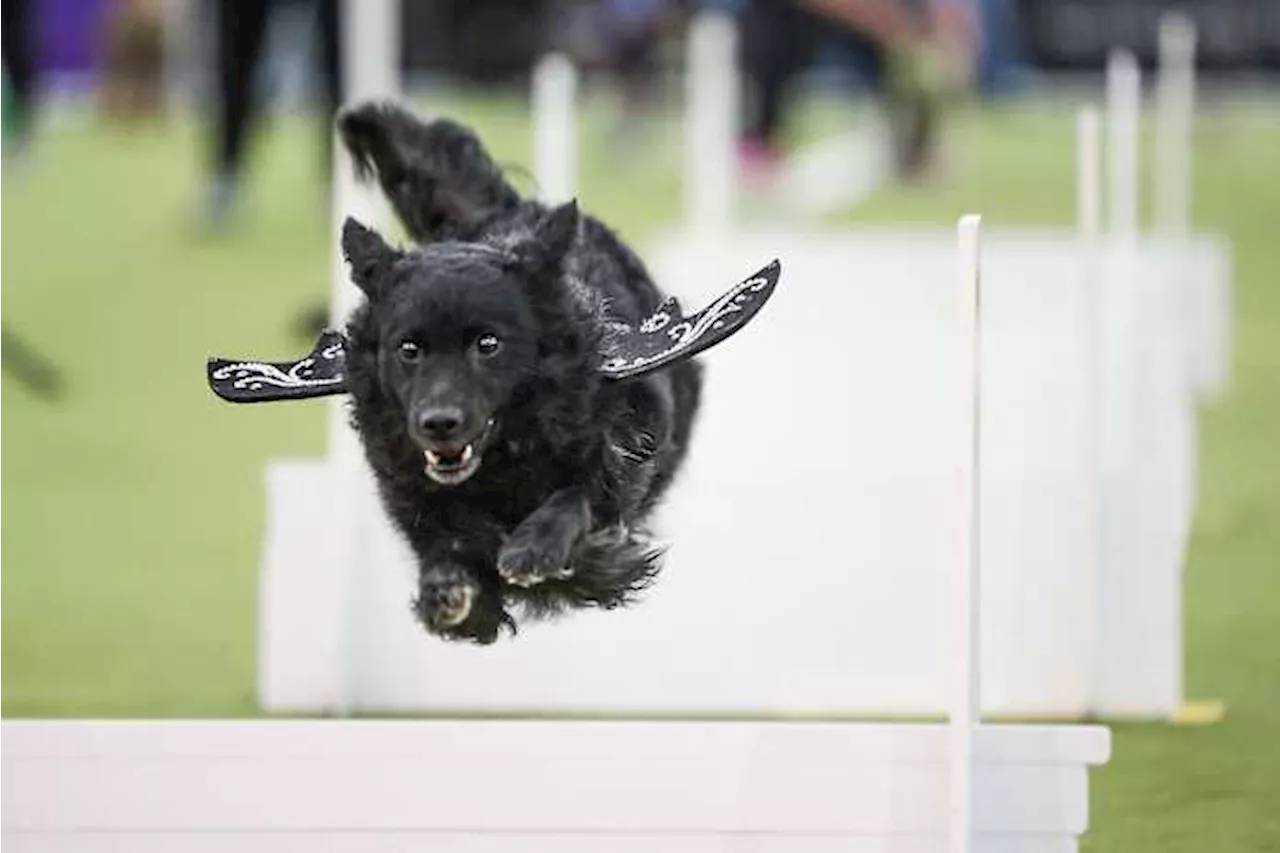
point(167, 174)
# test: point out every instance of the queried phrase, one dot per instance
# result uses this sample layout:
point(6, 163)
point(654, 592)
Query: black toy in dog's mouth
point(454, 464)
point(663, 338)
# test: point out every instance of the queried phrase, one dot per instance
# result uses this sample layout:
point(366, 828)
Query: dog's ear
point(370, 257)
point(550, 240)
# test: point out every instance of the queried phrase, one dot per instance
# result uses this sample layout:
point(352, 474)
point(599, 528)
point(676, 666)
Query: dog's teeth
point(466, 454)
point(432, 457)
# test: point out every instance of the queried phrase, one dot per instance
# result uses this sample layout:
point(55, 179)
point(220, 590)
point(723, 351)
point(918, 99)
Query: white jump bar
point(506, 780)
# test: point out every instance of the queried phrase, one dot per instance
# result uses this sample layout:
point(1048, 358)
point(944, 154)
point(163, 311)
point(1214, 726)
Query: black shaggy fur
point(572, 464)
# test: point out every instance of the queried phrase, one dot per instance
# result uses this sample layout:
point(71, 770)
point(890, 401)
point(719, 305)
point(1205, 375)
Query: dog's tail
point(437, 175)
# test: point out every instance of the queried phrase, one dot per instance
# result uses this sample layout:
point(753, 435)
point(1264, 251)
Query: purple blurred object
point(69, 37)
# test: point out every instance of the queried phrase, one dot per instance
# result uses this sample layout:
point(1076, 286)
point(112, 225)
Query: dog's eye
point(488, 343)
point(409, 351)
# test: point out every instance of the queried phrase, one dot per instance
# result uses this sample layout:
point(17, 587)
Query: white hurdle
point(1044, 525)
point(1175, 110)
point(712, 98)
point(966, 711)
point(1124, 114)
point(1089, 183)
point(1088, 174)
point(450, 786)
point(370, 51)
point(555, 133)
point(502, 786)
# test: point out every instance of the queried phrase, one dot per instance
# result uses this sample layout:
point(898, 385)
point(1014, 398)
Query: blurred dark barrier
point(1234, 35)
point(482, 40)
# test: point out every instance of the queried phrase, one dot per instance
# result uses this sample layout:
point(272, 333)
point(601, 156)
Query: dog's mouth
point(449, 468)
point(450, 465)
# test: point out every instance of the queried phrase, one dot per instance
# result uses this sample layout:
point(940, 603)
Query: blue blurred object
point(1002, 64)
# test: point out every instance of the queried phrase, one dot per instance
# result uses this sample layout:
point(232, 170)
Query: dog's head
point(458, 332)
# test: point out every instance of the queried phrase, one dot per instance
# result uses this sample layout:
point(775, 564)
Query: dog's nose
point(441, 423)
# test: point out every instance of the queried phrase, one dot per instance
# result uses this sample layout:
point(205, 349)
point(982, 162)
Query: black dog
point(520, 477)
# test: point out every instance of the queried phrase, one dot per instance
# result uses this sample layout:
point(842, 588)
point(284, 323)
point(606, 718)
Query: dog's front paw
point(529, 559)
point(446, 596)
point(453, 604)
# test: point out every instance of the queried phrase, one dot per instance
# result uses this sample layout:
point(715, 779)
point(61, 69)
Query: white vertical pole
point(1089, 232)
point(1124, 104)
point(1175, 108)
point(1123, 337)
point(369, 34)
point(555, 135)
point(711, 114)
point(966, 704)
point(369, 39)
point(1175, 112)
point(1088, 173)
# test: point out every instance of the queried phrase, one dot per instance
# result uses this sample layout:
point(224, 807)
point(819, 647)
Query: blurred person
point(241, 34)
point(19, 75)
point(914, 52)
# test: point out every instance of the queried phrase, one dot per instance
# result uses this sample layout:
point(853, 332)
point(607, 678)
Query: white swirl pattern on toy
point(688, 332)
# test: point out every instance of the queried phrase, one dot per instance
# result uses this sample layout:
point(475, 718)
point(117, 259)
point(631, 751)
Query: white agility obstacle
point(792, 626)
point(1149, 323)
point(555, 132)
point(712, 98)
point(835, 605)
point(490, 786)
point(1124, 115)
point(502, 787)
point(1175, 111)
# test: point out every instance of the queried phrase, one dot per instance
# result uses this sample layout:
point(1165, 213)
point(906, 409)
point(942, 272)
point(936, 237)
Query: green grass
point(132, 529)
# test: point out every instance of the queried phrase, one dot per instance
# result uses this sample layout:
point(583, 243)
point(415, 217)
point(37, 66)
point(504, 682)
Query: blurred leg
point(905, 45)
point(331, 75)
point(778, 40)
point(15, 40)
point(314, 318)
point(909, 109)
point(242, 27)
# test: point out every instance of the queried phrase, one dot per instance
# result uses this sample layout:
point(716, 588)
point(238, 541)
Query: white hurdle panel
point(837, 603)
point(486, 786)
point(503, 787)
point(1103, 635)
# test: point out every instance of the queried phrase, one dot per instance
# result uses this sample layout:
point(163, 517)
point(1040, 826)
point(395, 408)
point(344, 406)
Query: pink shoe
point(759, 163)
